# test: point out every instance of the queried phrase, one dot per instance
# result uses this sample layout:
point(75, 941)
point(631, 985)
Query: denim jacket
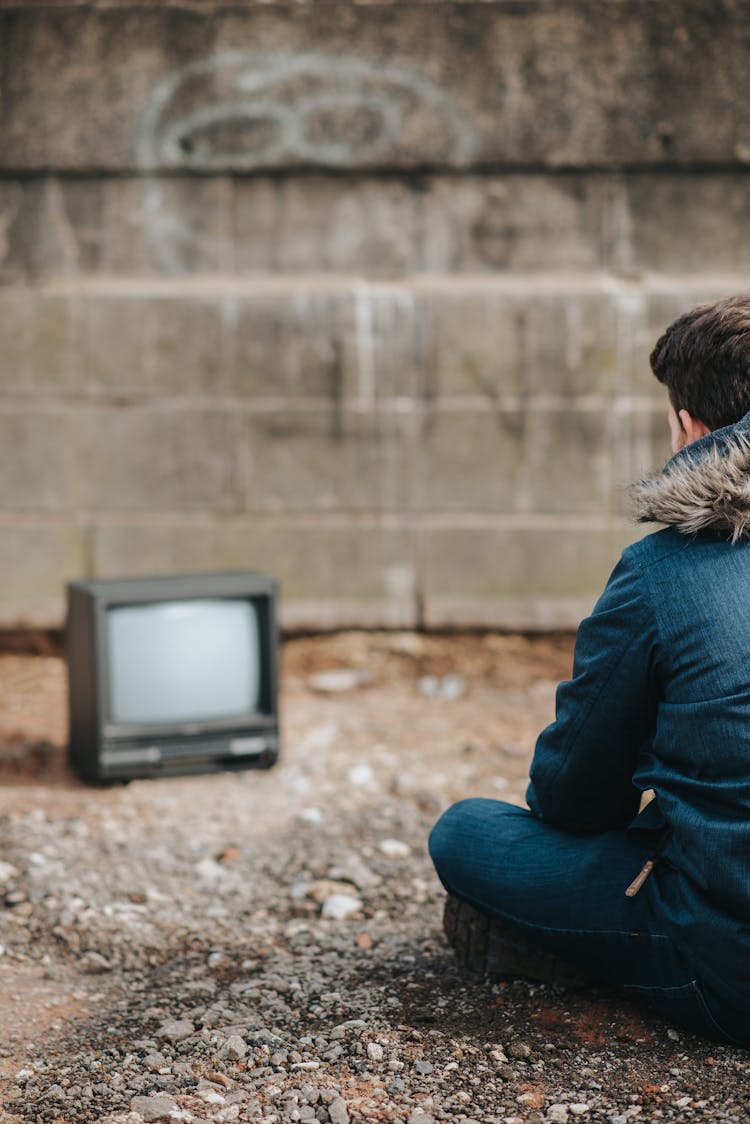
point(659, 700)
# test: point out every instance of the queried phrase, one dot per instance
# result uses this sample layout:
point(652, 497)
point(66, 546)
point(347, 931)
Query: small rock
point(360, 775)
point(338, 680)
point(155, 1061)
point(340, 906)
point(228, 854)
point(7, 873)
point(175, 1030)
point(579, 1108)
point(557, 1113)
point(209, 871)
point(311, 815)
point(232, 1112)
point(234, 1049)
point(210, 1096)
point(395, 849)
point(419, 1116)
point(375, 1051)
point(449, 687)
point(354, 870)
point(429, 686)
point(153, 1108)
point(94, 963)
point(519, 1050)
point(423, 1067)
point(452, 687)
point(338, 1111)
point(322, 889)
point(214, 1078)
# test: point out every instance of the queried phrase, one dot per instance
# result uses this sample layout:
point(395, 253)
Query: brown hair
point(703, 359)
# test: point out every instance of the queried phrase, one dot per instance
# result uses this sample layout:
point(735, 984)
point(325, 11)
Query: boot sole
point(489, 947)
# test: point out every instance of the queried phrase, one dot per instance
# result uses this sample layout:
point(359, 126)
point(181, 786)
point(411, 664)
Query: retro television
point(172, 675)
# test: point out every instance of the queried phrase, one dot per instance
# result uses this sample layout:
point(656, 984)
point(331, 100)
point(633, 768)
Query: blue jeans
point(565, 894)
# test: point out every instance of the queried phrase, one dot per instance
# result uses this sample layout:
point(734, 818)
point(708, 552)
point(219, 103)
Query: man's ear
point(693, 427)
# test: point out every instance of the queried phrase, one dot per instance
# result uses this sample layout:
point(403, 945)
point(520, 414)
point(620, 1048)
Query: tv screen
point(182, 661)
point(175, 674)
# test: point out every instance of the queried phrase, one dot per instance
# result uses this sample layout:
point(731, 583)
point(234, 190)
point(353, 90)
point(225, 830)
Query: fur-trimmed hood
point(706, 486)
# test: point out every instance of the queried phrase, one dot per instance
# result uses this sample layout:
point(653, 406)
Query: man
point(652, 896)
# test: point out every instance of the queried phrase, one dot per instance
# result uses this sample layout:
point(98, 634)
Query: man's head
point(703, 359)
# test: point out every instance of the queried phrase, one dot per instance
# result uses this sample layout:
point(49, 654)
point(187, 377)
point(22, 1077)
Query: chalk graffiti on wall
point(248, 111)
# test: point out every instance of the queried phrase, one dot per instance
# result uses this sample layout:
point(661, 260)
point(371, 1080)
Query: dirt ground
point(132, 905)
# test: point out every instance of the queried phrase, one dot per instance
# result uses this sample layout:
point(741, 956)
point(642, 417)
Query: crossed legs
point(562, 895)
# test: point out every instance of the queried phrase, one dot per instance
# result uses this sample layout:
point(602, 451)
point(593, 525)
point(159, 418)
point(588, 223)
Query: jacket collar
point(705, 486)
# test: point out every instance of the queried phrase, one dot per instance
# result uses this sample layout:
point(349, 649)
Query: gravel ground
point(267, 946)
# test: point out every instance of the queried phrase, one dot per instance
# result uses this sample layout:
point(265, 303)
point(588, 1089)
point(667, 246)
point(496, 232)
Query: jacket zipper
point(639, 879)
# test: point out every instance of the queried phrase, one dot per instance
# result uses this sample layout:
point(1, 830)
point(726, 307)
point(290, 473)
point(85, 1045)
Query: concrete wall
point(360, 294)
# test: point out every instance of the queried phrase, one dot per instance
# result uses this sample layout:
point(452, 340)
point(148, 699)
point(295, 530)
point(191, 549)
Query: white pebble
point(374, 1051)
point(360, 774)
point(208, 870)
point(452, 687)
point(338, 680)
point(7, 872)
point(210, 1097)
point(395, 848)
point(311, 815)
point(429, 686)
point(340, 906)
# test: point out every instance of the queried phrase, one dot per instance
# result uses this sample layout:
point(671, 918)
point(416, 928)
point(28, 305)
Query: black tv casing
point(103, 751)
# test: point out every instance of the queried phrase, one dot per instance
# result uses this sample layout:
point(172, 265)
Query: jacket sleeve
point(581, 773)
